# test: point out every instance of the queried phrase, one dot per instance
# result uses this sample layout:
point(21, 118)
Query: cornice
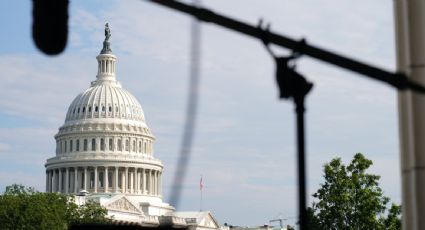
point(100, 159)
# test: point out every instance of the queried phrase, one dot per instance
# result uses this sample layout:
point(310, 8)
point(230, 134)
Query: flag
point(201, 184)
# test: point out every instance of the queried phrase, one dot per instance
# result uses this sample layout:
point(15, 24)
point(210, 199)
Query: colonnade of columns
point(100, 179)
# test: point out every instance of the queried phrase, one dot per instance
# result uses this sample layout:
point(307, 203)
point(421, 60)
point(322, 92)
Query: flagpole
point(201, 202)
point(201, 186)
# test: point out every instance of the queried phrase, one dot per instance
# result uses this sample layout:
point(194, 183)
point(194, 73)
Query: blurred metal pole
point(410, 41)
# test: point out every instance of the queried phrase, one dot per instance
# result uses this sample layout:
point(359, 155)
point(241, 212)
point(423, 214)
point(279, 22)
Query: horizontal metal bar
point(398, 80)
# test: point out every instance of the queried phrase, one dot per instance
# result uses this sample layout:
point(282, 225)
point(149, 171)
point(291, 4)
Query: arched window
point(65, 146)
point(110, 108)
point(90, 109)
point(119, 144)
point(77, 147)
point(144, 147)
point(84, 109)
point(102, 144)
point(127, 145)
point(85, 145)
point(96, 109)
point(70, 145)
point(93, 144)
point(103, 108)
point(110, 144)
point(134, 146)
point(78, 110)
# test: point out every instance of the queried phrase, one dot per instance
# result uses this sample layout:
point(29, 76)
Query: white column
point(140, 181)
point(79, 179)
point(95, 179)
point(132, 182)
point(116, 179)
point(147, 182)
point(67, 180)
point(150, 182)
point(137, 181)
point(85, 178)
point(160, 183)
point(122, 182)
point(106, 179)
point(54, 180)
point(75, 180)
point(143, 181)
point(60, 180)
point(126, 179)
point(47, 181)
point(154, 182)
point(157, 183)
point(57, 179)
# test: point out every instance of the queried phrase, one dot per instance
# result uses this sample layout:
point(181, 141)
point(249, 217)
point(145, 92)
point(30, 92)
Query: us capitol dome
point(104, 152)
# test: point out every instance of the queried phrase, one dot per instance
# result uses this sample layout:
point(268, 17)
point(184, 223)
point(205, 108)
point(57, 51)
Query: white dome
point(105, 101)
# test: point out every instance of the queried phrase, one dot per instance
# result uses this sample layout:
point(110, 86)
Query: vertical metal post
point(302, 204)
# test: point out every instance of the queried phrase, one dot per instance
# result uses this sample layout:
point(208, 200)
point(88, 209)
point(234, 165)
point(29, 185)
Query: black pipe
point(302, 201)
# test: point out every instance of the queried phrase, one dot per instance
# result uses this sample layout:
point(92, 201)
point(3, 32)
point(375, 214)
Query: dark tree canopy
point(350, 198)
point(25, 208)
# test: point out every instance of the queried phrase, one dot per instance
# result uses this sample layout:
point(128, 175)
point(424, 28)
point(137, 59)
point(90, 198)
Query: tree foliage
point(25, 208)
point(350, 198)
point(393, 219)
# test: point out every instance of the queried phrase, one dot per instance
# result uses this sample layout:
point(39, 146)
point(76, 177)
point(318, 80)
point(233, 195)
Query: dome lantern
point(106, 62)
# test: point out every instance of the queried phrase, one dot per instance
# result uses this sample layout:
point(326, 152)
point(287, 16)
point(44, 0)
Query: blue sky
point(244, 146)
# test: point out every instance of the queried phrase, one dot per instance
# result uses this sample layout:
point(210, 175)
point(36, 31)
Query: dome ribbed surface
point(105, 101)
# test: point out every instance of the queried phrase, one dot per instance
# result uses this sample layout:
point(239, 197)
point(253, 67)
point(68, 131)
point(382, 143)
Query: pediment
point(208, 221)
point(123, 204)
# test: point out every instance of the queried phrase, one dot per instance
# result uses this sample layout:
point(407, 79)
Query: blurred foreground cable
point(191, 110)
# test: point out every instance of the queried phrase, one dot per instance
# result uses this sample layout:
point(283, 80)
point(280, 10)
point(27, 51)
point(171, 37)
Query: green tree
point(350, 198)
point(393, 219)
point(25, 208)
